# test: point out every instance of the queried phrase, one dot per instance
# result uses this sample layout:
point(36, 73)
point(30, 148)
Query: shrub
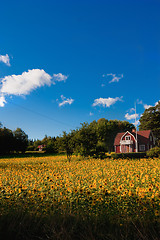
point(132, 155)
point(153, 152)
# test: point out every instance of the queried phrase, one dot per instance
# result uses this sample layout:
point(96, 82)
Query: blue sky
point(67, 62)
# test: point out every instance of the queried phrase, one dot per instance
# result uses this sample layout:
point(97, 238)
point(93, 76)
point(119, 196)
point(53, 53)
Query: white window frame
point(127, 137)
point(142, 147)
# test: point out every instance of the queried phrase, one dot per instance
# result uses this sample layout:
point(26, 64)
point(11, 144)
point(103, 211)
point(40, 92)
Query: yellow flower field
point(120, 189)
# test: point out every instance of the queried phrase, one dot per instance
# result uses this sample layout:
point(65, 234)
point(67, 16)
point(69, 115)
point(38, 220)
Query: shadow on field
point(24, 226)
point(30, 154)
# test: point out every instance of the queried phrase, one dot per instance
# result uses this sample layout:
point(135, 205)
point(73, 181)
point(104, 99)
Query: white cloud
point(157, 102)
point(136, 123)
point(2, 101)
point(20, 85)
point(146, 106)
point(65, 101)
point(25, 83)
point(139, 101)
point(132, 109)
point(106, 102)
point(59, 77)
point(114, 77)
point(90, 114)
point(5, 59)
point(132, 116)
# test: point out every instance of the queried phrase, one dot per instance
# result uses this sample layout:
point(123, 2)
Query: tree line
point(12, 141)
point(96, 138)
point(92, 139)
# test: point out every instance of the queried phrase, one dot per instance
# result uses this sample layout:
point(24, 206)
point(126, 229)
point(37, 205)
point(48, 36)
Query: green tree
point(49, 143)
point(20, 140)
point(150, 120)
point(6, 141)
point(86, 139)
point(36, 143)
point(107, 130)
point(66, 143)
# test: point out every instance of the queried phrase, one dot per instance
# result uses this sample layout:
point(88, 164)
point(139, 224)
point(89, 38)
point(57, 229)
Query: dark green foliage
point(7, 141)
point(96, 138)
point(86, 140)
point(49, 144)
point(20, 140)
point(100, 150)
point(66, 143)
point(154, 152)
point(150, 120)
point(12, 141)
point(107, 130)
point(128, 155)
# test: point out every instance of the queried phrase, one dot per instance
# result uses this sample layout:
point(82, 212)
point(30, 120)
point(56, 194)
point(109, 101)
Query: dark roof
point(142, 136)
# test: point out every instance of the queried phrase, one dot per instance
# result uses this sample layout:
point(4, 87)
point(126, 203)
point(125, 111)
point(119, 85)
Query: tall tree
point(86, 139)
point(21, 140)
point(6, 141)
point(107, 130)
point(66, 143)
point(150, 120)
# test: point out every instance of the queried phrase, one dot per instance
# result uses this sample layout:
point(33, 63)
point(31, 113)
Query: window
point(142, 148)
point(150, 138)
point(128, 137)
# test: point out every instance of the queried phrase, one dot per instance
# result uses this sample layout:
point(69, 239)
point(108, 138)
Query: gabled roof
point(143, 136)
point(118, 138)
point(41, 146)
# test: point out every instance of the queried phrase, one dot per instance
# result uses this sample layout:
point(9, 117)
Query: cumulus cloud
point(20, 85)
point(59, 77)
point(136, 123)
point(146, 106)
point(65, 101)
point(157, 102)
point(106, 102)
point(114, 78)
point(2, 101)
point(25, 83)
point(5, 59)
point(90, 114)
point(132, 109)
point(131, 116)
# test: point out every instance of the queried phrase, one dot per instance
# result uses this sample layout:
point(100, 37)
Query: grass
point(49, 198)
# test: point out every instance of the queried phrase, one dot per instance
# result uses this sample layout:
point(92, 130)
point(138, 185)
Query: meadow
point(51, 198)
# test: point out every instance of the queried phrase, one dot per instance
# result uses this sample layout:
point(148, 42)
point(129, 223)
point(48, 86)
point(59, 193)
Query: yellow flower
point(157, 213)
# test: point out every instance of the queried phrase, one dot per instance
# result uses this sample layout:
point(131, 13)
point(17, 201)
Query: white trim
point(129, 133)
point(128, 136)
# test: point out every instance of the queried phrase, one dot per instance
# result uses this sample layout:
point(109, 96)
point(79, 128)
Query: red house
point(126, 141)
point(41, 147)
